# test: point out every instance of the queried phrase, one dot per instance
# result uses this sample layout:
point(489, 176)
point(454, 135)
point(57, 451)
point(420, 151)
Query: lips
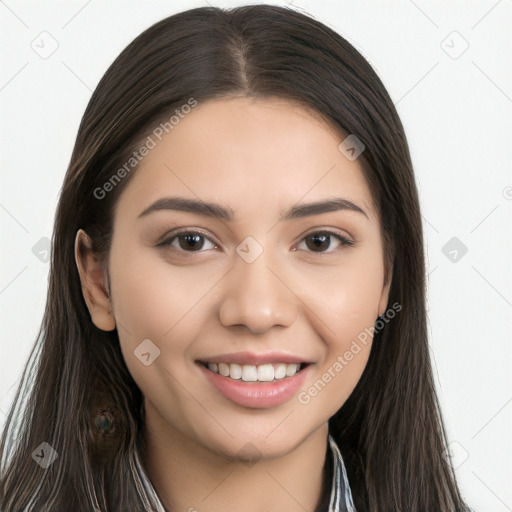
point(256, 380)
point(256, 394)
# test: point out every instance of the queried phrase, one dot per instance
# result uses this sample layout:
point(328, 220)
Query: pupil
point(192, 241)
point(320, 241)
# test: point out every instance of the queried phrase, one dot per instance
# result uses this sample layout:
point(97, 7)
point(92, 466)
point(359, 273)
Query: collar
point(341, 497)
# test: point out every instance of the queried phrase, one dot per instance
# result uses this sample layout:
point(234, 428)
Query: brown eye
point(187, 241)
point(320, 241)
point(192, 241)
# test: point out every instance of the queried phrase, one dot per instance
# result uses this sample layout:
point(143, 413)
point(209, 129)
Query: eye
point(320, 240)
point(194, 241)
point(187, 241)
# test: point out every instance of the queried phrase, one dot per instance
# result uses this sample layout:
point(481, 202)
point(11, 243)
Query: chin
point(249, 446)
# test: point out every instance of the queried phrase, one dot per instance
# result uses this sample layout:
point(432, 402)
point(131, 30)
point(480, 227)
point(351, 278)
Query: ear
point(94, 283)
point(384, 297)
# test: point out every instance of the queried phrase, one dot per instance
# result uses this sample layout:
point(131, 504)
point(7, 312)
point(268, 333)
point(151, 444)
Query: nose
point(257, 296)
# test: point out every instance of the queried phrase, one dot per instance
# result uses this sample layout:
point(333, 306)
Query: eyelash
point(345, 242)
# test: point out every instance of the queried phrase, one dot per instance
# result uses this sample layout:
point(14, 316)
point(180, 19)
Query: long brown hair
point(76, 393)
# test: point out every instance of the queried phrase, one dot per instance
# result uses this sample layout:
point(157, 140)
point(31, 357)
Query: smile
point(256, 386)
point(255, 373)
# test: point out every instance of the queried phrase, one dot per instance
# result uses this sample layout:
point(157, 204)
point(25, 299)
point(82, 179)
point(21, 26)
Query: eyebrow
point(220, 212)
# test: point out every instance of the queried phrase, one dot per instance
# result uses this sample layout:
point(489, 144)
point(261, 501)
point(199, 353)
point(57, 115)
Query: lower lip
point(258, 395)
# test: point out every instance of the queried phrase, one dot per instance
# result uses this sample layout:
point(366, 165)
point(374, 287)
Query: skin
point(258, 157)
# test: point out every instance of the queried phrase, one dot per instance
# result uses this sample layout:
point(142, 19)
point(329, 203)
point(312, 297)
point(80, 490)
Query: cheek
point(151, 298)
point(165, 304)
point(345, 297)
point(344, 308)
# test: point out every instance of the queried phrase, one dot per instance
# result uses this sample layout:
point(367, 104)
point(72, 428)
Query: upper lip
point(255, 358)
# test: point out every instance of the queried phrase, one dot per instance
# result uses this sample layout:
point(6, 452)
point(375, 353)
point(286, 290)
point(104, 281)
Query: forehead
point(252, 155)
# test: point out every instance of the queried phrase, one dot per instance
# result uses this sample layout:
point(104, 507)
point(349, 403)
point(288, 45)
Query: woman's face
point(253, 280)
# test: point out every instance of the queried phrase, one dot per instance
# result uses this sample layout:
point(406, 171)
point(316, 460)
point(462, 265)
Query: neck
point(190, 478)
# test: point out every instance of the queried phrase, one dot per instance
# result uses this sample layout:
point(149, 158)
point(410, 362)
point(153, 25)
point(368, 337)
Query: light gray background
point(456, 108)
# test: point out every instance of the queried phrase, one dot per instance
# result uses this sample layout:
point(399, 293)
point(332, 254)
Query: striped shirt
point(341, 497)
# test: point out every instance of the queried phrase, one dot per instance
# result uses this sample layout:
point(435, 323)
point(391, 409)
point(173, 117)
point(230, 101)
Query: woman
point(236, 311)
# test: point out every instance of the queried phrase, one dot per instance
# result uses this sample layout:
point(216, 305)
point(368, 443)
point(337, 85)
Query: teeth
point(266, 373)
point(292, 369)
point(235, 371)
point(249, 373)
point(280, 371)
point(255, 373)
point(224, 369)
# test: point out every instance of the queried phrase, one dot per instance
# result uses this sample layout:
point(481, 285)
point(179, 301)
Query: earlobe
point(94, 280)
